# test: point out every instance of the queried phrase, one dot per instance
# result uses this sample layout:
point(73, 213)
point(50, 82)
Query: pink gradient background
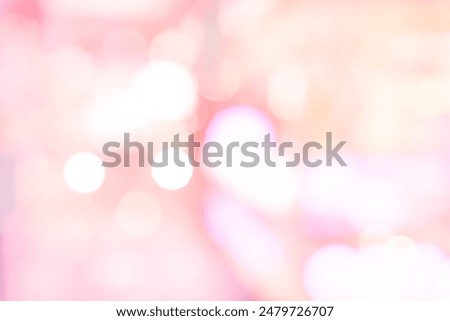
point(75, 74)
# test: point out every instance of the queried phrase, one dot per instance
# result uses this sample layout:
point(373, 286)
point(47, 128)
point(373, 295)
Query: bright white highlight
point(162, 91)
point(254, 186)
point(239, 123)
point(172, 177)
point(84, 173)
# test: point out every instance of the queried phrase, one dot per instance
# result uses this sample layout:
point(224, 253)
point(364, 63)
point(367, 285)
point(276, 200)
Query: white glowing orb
point(84, 173)
point(116, 114)
point(138, 214)
point(239, 123)
point(162, 91)
point(172, 177)
point(271, 189)
point(168, 90)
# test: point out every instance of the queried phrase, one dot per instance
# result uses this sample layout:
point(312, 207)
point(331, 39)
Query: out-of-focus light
point(258, 254)
point(427, 97)
point(110, 117)
point(397, 269)
point(426, 182)
point(161, 91)
point(440, 284)
point(286, 91)
point(255, 185)
point(239, 123)
point(243, 236)
point(138, 214)
point(400, 242)
point(361, 198)
point(423, 176)
point(168, 90)
point(172, 177)
point(84, 173)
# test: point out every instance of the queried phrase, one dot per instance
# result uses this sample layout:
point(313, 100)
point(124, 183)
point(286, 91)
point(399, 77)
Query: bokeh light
point(172, 177)
point(83, 173)
point(166, 90)
point(79, 74)
point(253, 185)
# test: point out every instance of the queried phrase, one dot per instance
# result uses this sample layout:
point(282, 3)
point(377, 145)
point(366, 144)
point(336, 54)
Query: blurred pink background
point(75, 74)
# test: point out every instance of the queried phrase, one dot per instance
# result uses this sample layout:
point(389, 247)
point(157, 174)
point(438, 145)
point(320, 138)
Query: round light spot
point(84, 173)
point(252, 185)
point(172, 177)
point(138, 213)
point(239, 123)
point(168, 90)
